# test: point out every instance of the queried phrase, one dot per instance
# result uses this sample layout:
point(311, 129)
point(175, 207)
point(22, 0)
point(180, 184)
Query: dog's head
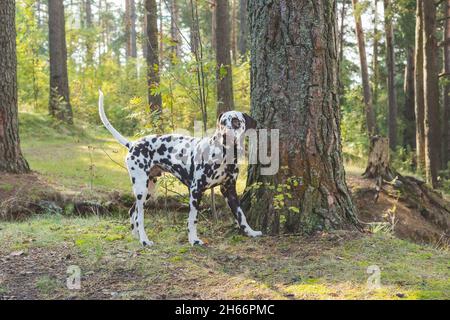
point(235, 123)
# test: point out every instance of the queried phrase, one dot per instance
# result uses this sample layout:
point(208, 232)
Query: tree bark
point(174, 33)
point(224, 76)
point(446, 113)
point(11, 158)
point(408, 111)
point(390, 63)
point(301, 101)
point(375, 66)
point(213, 24)
point(234, 49)
point(130, 23)
point(243, 27)
point(153, 79)
point(419, 89)
point(89, 47)
point(370, 113)
point(431, 93)
point(59, 104)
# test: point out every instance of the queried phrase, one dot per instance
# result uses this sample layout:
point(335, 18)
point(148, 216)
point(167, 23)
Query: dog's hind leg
point(133, 219)
point(140, 190)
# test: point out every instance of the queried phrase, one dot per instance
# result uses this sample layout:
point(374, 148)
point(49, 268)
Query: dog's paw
point(147, 243)
point(196, 242)
point(254, 234)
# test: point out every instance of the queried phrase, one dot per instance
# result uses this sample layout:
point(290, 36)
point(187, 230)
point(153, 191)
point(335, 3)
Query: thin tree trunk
point(390, 62)
point(370, 114)
point(408, 112)
point(161, 33)
point(11, 158)
point(234, 49)
point(89, 49)
point(154, 100)
point(298, 99)
point(144, 34)
point(243, 27)
point(225, 100)
point(130, 21)
point(419, 89)
point(174, 34)
point(446, 113)
point(59, 104)
point(375, 65)
point(431, 93)
point(213, 24)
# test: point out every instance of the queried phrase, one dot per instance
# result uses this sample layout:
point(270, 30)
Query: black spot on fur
point(139, 196)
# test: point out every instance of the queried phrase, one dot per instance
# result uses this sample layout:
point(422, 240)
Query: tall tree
point(154, 99)
point(409, 137)
point(243, 27)
point(11, 158)
point(234, 48)
point(59, 104)
point(390, 63)
point(431, 93)
point(213, 24)
point(446, 113)
point(375, 65)
point(130, 27)
point(225, 100)
point(300, 100)
point(174, 32)
point(89, 25)
point(419, 89)
point(370, 113)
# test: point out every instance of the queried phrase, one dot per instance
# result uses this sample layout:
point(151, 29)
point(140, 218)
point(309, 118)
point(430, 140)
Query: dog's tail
point(108, 125)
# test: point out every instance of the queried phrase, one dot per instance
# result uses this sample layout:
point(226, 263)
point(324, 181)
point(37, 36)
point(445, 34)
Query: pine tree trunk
point(431, 93)
point(89, 47)
point(153, 55)
point(243, 27)
point(224, 77)
point(301, 101)
point(419, 89)
point(130, 22)
point(376, 69)
point(59, 104)
point(390, 62)
point(446, 113)
point(11, 158)
point(213, 24)
point(370, 113)
point(234, 49)
point(174, 33)
point(408, 111)
point(144, 33)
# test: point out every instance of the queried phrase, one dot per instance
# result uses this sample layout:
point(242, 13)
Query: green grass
point(231, 266)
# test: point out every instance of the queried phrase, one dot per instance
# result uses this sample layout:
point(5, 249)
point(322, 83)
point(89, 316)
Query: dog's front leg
point(229, 192)
point(194, 204)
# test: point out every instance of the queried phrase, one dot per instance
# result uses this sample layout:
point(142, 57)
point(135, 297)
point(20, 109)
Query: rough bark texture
point(370, 113)
point(59, 104)
point(130, 22)
point(154, 100)
point(213, 24)
point(301, 100)
point(431, 93)
point(419, 100)
point(11, 158)
point(446, 113)
point(243, 27)
point(224, 76)
point(378, 166)
point(390, 63)
point(409, 137)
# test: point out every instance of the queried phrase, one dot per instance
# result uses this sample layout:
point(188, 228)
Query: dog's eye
point(235, 123)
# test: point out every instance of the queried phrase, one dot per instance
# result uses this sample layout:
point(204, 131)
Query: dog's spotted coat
point(199, 163)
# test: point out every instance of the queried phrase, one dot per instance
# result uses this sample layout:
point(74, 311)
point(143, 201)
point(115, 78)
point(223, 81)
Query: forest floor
point(42, 236)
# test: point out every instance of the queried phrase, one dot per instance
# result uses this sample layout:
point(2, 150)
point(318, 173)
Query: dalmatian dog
point(199, 163)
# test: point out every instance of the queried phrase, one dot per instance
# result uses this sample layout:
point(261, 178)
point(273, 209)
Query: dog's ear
point(218, 118)
point(250, 123)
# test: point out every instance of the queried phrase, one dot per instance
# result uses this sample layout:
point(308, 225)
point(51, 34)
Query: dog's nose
point(235, 123)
